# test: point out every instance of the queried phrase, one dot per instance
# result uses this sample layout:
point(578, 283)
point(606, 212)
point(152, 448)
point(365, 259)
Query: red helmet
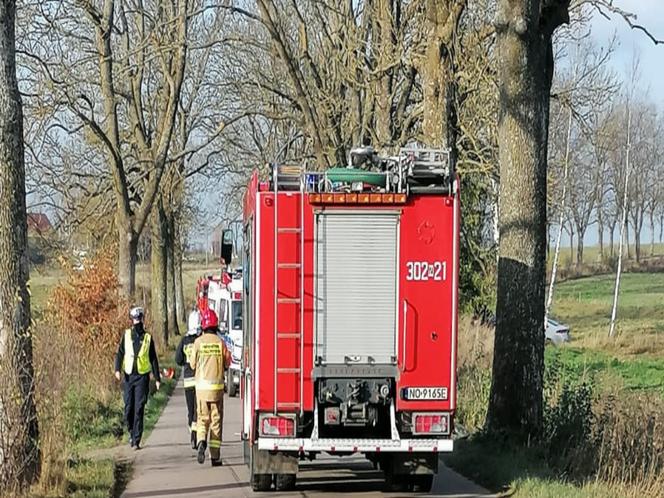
point(209, 319)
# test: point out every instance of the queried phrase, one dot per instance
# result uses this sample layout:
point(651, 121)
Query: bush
point(89, 308)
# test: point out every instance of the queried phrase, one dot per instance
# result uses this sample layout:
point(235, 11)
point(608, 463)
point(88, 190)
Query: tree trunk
point(128, 253)
point(561, 219)
point(623, 225)
point(629, 250)
point(661, 228)
point(652, 234)
point(19, 449)
point(579, 248)
point(600, 236)
point(638, 224)
point(439, 118)
point(158, 269)
point(571, 243)
point(170, 276)
point(525, 70)
point(180, 303)
point(612, 232)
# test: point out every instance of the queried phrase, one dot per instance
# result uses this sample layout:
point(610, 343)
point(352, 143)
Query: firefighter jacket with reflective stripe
point(209, 358)
point(135, 364)
point(182, 356)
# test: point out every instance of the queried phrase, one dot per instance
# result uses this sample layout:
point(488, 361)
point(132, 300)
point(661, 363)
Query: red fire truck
point(350, 282)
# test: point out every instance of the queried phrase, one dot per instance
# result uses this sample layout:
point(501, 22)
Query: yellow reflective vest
point(143, 357)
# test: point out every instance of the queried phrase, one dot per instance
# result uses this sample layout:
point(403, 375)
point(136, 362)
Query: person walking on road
point(136, 357)
point(209, 358)
point(182, 356)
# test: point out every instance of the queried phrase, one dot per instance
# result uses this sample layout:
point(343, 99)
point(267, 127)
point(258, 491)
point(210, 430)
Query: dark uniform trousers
point(190, 397)
point(136, 389)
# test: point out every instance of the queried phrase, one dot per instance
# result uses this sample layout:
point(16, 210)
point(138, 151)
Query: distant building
point(39, 224)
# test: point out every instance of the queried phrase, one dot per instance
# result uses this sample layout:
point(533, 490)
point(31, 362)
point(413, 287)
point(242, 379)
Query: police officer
point(182, 355)
point(136, 357)
point(209, 358)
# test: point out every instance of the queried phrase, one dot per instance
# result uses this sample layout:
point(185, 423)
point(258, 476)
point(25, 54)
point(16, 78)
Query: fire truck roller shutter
point(356, 287)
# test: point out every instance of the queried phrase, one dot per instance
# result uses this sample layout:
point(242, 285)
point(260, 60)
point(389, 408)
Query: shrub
point(89, 308)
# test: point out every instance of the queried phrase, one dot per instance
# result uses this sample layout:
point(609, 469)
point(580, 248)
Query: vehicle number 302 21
point(423, 271)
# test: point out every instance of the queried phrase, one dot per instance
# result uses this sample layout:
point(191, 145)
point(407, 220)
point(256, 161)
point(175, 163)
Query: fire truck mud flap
point(273, 462)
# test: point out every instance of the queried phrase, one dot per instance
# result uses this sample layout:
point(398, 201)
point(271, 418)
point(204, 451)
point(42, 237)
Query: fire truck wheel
point(284, 482)
point(422, 483)
point(395, 483)
point(261, 482)
point(232, 390)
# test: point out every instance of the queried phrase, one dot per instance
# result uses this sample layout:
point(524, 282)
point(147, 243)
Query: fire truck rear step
point(343, 445)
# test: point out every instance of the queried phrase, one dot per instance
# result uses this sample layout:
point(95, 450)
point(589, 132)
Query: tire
point(261, 482)
point(284, 482)
point(422, 483)
point(395, 483)
point(232, 390)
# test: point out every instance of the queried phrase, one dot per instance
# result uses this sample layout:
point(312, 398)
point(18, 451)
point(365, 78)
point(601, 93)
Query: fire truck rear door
point(356, 287)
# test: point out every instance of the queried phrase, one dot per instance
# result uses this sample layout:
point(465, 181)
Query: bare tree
point(19, 450)
point(125, 97)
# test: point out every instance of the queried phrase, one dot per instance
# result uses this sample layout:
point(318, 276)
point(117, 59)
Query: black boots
point(202, 446)
point(194, 443)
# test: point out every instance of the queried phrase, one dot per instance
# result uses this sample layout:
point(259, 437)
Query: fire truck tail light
point(431, 423)
point(277, 426)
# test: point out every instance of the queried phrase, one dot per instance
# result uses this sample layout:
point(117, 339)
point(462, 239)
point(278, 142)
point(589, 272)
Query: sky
point(649, 14)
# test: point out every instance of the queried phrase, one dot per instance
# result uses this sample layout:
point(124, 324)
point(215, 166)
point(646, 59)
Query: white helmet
point(194, 322)
point(136, 313)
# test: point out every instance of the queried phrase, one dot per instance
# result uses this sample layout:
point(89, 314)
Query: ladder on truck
point(289, 179)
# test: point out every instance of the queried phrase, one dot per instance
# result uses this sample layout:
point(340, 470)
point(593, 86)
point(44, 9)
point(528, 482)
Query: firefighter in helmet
point(136, 357)
point(209, 358)
point(182, 355)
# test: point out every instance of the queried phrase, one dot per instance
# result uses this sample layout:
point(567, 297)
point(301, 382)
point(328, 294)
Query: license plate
point(424, 393)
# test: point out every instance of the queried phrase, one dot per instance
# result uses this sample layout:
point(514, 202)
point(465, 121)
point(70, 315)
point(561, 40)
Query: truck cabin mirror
point(227, 246)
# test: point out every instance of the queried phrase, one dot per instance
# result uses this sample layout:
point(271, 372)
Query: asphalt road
point(167, 467)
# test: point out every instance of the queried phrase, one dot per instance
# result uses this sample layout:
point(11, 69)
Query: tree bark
point(19, 449)
point(629, 250)
point(525, 71)
point(181, 305)
point(170, 276)
point(128, 255)
point(158, 261)
point(612, 232)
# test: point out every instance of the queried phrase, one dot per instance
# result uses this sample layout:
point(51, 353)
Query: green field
point(585, 304)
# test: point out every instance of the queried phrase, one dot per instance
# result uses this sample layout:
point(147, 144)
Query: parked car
point(556, 333)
